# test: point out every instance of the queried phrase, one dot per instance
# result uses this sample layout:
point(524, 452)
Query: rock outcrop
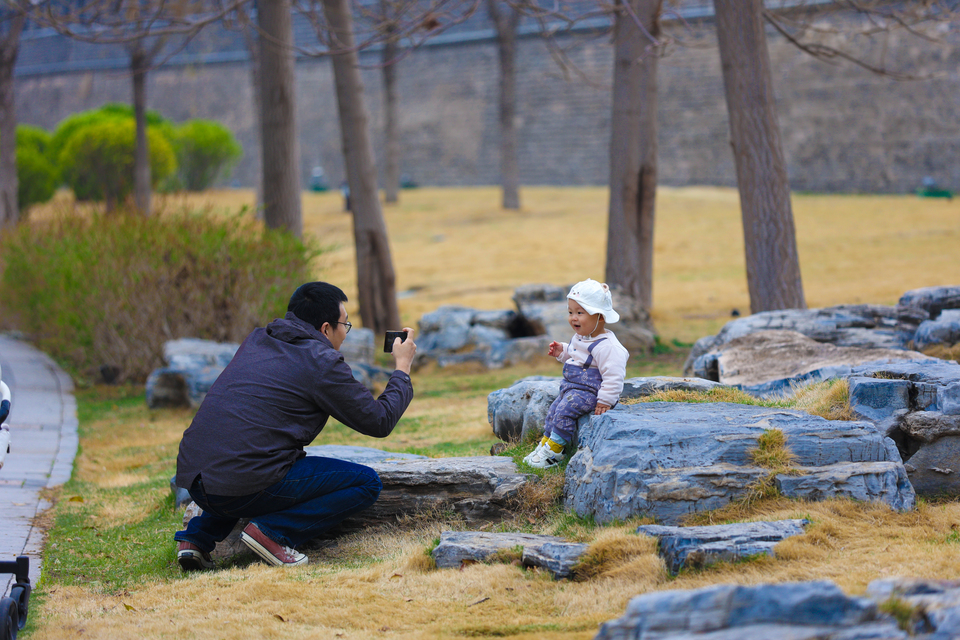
point(666, 460)
point(697, 547)
point(519, 411)
point(193, 366)
point(794, 611)
point(455, 335)
point(770, 362)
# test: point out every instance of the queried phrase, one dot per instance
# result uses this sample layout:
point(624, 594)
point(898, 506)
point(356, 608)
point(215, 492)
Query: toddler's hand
point(601, 409)
point(555, 349)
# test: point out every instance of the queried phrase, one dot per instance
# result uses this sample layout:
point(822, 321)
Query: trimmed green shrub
point(110, 290)
point(205, 151)
point(110, 111)
point(98, 159)
point(33, 138)
point(37, 178)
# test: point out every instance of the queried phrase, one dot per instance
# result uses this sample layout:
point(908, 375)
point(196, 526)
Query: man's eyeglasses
point(347, 325)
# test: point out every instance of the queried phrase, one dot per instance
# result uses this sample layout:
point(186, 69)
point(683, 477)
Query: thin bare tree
point(633, 148)
point(376, 280)
point(12, 20)
point(505, 17)
point(391, 104)
point(278, 134)
point(773, 265)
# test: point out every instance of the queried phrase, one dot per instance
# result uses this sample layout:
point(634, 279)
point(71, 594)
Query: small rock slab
point(701, 546)
point(549, 552)
point(792, 611)
point(936, 604)
point(360, 455)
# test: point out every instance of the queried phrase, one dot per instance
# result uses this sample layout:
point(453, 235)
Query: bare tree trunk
point(773, 268)
point(141, 159)
point(9, 49)
point(391, 127)
point(251, 39)
point(505, 19)
point(376, 280)
point(633, 149)
point(280, 152)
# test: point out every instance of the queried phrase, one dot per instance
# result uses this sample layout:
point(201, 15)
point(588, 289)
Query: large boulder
point(667, 460)
point(945, 329)
point(932, 300)
point(519, 411)
point(864, 326)
point(773, 362)
point(792, 611)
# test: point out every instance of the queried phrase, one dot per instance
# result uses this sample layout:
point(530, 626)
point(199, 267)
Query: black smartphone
point(390, 337)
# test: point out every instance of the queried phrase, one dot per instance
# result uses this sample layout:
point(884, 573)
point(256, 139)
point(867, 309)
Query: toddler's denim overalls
point(578, 396)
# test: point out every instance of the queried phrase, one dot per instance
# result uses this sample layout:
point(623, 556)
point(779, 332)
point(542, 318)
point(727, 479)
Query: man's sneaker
point(272, 552)
point(545, 457)
point(190, 557)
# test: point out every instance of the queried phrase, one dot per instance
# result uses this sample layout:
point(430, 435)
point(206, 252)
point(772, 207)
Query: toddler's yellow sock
point(556, 447)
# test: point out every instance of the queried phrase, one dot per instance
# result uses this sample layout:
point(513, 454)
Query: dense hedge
point(110, 290)
point(37, 175)
point(97, 160)
point(205, 151)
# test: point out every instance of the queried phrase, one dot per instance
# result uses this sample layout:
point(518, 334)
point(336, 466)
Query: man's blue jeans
point(316, 494)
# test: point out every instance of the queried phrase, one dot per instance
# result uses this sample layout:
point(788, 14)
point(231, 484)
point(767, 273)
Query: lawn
point(110, 571)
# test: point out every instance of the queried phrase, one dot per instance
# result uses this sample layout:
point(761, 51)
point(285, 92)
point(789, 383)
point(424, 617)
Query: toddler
point(594, 367)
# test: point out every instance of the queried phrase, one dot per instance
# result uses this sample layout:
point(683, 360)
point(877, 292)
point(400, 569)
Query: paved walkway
point(43, 444)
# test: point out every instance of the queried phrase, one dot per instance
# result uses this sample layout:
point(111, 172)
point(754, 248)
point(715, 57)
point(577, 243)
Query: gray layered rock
point(544, 306)
point(770, 362)
point(944, 330)
point(360, 455)
point(479, 489)
point(793, 611)
point(193, 365)
point(932, 300)
point(667, 460)
point(918, 406)
point(548, 552)
point(863, 326)
point(936, 604)
point(519, 411)
point(696, 547)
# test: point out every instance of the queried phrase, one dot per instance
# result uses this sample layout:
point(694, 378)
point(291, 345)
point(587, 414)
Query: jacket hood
point(291, 329)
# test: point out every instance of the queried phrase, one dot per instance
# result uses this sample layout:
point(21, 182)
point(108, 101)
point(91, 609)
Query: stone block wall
point(844, 129)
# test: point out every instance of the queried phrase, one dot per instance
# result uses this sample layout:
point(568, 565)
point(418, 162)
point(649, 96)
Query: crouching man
point(242, 456)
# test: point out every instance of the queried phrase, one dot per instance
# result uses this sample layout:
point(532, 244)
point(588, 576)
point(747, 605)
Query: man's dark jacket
point(271, 401)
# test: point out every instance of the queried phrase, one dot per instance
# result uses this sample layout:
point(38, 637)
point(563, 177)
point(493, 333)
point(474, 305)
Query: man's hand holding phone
point(402, 346)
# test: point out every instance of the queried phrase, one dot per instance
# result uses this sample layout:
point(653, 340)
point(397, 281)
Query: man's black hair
point(316, 303)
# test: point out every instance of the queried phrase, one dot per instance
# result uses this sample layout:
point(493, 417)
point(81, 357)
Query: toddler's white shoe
point(536, 449)
point(544, 457)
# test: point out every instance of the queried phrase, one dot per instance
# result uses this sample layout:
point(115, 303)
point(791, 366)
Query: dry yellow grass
point(458, 247)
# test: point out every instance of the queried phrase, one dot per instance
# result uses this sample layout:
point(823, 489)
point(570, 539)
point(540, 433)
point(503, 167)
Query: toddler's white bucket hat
point(594, 298)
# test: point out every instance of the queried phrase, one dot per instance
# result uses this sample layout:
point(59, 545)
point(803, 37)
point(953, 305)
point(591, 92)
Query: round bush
point(98, 159)
point(37, 178)
point(205, 150)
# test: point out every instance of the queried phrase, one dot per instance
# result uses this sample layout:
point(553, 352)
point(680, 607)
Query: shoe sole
point(265, 554)
point(192, 561)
